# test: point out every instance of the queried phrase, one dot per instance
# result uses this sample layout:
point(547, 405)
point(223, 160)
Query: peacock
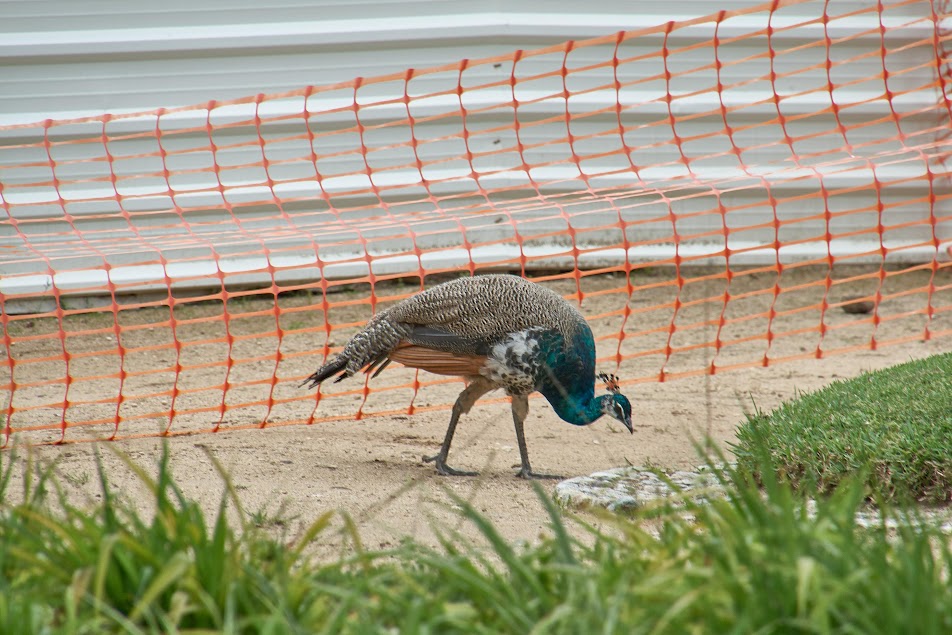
point(496, 331)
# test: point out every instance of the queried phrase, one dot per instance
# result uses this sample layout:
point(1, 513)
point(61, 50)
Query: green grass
point(891, 428)
point(753, 562)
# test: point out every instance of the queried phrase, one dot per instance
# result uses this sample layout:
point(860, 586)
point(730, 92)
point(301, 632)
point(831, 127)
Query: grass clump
point(892, 428)
point(756, 560)
point(69, 569)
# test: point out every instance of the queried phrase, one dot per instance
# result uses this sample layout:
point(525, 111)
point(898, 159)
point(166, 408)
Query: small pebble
point(855, 305)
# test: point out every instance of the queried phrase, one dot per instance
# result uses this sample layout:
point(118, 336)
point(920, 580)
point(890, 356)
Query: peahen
point(497, 331)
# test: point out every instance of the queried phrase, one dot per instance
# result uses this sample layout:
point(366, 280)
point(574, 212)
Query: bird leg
point(520, 408)
point(478, 387)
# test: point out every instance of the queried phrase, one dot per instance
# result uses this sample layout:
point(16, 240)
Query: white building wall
point(61, 59)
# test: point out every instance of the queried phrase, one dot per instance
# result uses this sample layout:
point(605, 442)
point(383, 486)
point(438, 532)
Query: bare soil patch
point(371, 468)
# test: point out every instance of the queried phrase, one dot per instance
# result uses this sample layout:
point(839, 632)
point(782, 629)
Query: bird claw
point(444, 469)
point(528, 474)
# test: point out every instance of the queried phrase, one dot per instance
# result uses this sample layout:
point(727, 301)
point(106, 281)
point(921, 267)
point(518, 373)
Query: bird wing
point(444, 340)
point(484, 309)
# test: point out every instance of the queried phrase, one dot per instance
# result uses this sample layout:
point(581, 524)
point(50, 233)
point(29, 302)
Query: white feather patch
point(504, 366)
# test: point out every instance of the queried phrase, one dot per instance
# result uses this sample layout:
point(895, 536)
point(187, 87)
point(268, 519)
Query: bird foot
point(527, 473)
point(443, 468)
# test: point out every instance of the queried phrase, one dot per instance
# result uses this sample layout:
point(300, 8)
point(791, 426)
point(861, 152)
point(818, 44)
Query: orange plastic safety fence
point(714, 192)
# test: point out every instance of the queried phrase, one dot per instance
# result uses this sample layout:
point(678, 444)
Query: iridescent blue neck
point(579, 410)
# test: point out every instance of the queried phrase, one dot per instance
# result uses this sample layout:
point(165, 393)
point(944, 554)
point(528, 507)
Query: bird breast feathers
point(518, 344)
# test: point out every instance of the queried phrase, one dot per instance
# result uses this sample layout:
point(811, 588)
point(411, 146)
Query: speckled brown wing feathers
point(487, 307)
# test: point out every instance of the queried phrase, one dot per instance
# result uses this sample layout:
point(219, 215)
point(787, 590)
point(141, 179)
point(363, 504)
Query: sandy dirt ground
point(372, 470)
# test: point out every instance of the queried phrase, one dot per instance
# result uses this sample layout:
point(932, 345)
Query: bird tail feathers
point(330, 368)
point(368, 349)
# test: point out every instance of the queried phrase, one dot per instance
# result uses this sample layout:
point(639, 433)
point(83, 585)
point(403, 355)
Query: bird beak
point(627, 423)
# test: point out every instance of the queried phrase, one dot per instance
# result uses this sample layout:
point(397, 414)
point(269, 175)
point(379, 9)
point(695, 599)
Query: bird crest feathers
point(611, 382)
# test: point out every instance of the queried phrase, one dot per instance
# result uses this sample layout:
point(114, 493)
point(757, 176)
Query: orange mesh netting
point(713, 201)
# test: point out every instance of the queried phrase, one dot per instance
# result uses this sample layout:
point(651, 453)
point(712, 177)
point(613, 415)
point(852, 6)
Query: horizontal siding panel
point(56, 15)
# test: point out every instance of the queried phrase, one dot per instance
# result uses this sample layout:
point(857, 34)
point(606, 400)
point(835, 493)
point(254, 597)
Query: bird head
point(615, 404)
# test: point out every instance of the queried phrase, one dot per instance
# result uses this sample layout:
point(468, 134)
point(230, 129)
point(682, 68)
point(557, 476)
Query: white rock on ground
point(628, 488)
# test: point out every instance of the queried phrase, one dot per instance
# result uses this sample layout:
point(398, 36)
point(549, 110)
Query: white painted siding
point(63, 59)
